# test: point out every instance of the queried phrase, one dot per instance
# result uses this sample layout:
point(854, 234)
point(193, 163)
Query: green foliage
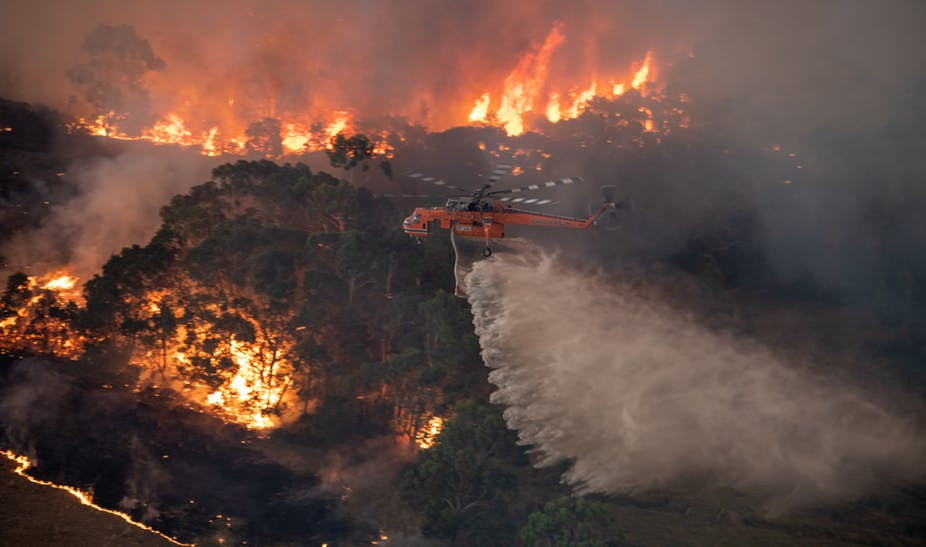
point(461, 485)
point(571, 521)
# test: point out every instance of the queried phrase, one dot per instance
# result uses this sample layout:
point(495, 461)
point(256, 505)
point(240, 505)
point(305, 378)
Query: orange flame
point(62, 282)
point(480, 110)
point(640, 77)
point(527, 85)
point(427, 435)
point(23, 464)
point(217, 122)
point(33, 327)
point(524, 84)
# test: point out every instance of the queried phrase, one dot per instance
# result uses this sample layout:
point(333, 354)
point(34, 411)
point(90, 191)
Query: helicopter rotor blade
point(435, 181)
point(539, 186)
point(411, 196)
point(528, 201)
point(500, 171)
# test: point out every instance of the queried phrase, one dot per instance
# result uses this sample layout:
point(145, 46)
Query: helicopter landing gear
point(487, 252)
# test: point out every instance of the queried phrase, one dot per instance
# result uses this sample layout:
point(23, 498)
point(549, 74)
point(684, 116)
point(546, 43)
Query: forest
point(280, 364)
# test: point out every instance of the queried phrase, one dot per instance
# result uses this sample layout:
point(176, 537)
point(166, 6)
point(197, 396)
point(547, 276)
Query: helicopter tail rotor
point(611, 220)
point(609, 193)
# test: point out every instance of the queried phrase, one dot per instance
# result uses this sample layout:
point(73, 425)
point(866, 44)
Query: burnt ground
point(32, 514)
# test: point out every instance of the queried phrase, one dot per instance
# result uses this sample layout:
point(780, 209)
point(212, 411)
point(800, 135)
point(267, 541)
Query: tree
point(264, 138)
point(359, 150)
point(462, 484)
point(571, 521)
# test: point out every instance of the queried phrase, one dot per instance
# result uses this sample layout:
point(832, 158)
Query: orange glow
point(427, 435)
point(172, 130)
point(295, 137)
point(61, 283)
point(525, 82)
point(581, 100)
point(221, 120)
point(480, 110)
point(251, 384)
point(246, 385)
point(640, 77)
point(528, 86)
point(35, 327)
point(553, 113)
point(23, 464)
point(210, 147)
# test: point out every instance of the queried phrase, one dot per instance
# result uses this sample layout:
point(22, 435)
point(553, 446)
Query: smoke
point(638, 396)
point(37, 394)
point(116, 205)
point(112, 77)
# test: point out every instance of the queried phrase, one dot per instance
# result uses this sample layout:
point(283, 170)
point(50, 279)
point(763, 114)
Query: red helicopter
point(484, 214)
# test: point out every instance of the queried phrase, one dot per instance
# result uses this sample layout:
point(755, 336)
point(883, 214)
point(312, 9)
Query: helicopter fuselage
point(486, 219)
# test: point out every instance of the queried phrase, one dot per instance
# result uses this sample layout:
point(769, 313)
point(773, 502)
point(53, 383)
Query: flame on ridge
point(224, 123)
point(23, 464)
point(527, 87)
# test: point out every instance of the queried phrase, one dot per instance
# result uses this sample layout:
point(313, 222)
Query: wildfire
point(528, 85)
point(231, 122)
point(640, 77)
point(23, 464)
point(480, 110)
point(61, 283)
point(245, 386)
point(427, 435)
point(31, 318)
point(242, 381)
point(295, 137)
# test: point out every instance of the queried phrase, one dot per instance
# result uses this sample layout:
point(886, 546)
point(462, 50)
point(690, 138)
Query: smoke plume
point(640, 397)
point(116, 205)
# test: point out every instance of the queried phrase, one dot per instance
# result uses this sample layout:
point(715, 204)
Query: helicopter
point(485, 213)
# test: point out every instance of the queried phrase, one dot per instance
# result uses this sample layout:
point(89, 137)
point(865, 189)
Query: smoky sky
point(796, 61)
point(837, 83)
point(116, 206)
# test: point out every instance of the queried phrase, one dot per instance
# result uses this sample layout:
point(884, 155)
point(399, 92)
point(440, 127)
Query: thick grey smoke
point(118, 60)
point(641, 397)
point(38, 393)
point(117, 205)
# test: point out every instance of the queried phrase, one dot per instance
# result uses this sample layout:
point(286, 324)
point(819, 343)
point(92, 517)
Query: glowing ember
point(427, 435)
point(23, 465)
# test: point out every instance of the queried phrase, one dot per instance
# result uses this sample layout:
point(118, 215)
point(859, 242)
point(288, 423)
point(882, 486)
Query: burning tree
point(269, 292)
